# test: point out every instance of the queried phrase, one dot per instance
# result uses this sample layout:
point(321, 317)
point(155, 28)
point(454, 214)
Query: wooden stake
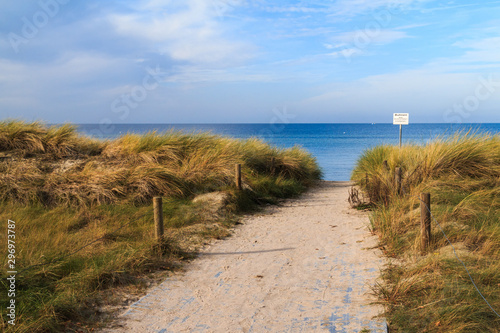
point(158, 214)
point(425, 219)
point(398, 181)
point(237, 176)
point(400, 134)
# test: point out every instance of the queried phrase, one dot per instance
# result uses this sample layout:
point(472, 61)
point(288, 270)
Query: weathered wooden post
point(400, 134)
point(425, 219)
point(237, 176)
point(398, 181)
point(158, 214)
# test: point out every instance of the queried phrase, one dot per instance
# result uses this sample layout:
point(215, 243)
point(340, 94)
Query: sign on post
point(401, 119)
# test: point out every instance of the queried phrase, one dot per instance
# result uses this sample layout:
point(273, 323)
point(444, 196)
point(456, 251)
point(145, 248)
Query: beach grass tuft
point(430, 291)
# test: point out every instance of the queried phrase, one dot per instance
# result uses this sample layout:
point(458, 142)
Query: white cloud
point(363, 37)
point(344, 9)
point(430, 91)
point(450, 5)
point(356, 43)
point(69, 68)
point(334, 46)
point(65, 84)
point(346, 53)
point(351, 8)
point(480, 54)
point(190, 74)
point(430, 96)
point(293, 9)
point(191, 32)
point(484, 50)
point(412, 26)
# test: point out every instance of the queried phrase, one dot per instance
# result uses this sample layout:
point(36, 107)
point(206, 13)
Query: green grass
point(430, 291)
point(65, 192)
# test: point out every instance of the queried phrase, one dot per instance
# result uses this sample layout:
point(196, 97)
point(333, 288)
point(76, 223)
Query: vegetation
point(431, 291)
point(83, 215)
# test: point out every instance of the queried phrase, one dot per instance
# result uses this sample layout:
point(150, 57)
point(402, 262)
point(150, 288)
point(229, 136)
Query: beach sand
point(305, 266)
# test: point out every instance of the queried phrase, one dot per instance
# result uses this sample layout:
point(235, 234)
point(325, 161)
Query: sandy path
point(306, 266)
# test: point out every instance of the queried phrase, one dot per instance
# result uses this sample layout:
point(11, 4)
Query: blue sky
point(231, 61)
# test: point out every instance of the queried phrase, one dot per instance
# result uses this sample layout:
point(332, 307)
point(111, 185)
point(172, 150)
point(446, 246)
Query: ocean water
point(335, 146)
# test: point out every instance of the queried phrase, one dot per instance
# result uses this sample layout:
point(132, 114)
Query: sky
point(243, 61)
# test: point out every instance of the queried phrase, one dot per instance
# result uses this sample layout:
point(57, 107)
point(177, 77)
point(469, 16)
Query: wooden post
point(398, 181)
point(158, 213)
point(237, 176)
point(425, 219)
point(400, 134)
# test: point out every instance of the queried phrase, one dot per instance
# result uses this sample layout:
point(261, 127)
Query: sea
point(336, 147)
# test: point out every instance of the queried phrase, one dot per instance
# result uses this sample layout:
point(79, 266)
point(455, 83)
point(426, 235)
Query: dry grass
point(53, 142)
point(432, 292)
point(65, 191)
point(53, 165)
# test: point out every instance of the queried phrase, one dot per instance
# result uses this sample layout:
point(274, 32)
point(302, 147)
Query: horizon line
point(267, 123)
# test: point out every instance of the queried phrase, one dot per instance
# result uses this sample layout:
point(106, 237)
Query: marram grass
point(431, 291)
point(65, 191)
point(53, 165)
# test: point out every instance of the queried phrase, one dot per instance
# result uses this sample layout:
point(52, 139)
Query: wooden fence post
point(398, 181)
point(237, 176)
point(425, 219)
point(158, 213)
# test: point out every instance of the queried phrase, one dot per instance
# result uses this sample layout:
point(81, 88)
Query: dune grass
point(84, 223)
point(431, 291)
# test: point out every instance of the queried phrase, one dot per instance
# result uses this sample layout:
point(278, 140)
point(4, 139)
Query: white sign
point(401, 119)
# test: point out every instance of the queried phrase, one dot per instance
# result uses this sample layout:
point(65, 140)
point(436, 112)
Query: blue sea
point(335, 146)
